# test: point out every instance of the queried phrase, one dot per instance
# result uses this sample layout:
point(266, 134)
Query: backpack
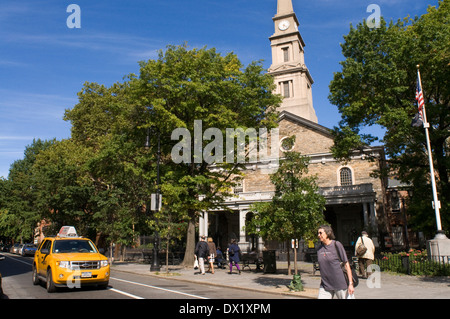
point(361, 250)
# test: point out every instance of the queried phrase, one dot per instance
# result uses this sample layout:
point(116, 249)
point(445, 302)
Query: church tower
point(291, 76)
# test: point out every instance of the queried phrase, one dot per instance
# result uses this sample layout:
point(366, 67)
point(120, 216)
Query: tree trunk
point(167, 255)
point(188, 260)
point(289, 259)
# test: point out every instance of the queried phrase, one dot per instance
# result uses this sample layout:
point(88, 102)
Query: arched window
point(346, 176)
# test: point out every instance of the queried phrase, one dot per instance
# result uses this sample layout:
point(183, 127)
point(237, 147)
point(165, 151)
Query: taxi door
point(42, 256)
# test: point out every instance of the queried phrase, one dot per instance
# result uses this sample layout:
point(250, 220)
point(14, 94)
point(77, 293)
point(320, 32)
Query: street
point(17, 270)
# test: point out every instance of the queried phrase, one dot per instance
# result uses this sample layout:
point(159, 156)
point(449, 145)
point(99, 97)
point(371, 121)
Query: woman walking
point(333, 282)
point(212, 254)
point(233, 253)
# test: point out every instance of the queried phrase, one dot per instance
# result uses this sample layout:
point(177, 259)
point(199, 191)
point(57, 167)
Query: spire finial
point(284, 7)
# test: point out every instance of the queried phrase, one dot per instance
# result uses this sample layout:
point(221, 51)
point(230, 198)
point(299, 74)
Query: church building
point(354, 199)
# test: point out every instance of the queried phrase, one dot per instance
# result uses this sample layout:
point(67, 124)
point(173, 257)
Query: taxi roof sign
point(67, 231)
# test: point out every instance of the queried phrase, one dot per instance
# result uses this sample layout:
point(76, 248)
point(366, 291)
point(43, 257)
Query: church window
point(346, 176)
point(286, 86)
point(395, 201)
point(287, 144)
point(238, 188)
point(285, 54)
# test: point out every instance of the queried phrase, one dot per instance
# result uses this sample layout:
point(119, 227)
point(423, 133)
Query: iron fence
point(415, 265)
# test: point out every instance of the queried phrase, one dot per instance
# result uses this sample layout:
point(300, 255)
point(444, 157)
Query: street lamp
point(156, 198)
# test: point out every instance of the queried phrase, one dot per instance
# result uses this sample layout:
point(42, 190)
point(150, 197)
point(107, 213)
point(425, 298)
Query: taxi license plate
point(86, 274)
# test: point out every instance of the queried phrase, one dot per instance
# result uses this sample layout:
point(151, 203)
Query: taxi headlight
point(104, 263)
point(64, 264)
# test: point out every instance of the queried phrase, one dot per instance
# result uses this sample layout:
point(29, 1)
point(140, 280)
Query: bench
point(315, 264)
point(220, 261)
point(248, 259)
point(174, 258)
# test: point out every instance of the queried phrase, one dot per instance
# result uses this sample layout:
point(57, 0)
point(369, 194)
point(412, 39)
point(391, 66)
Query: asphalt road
point(17, 270)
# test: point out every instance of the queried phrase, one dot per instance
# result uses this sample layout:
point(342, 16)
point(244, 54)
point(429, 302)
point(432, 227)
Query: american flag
point(419, 97)
point(418, 119)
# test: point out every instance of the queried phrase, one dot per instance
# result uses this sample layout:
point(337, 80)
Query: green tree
point(121, 189)
point(296, 210)
point(103, 123)
point(173, 91)
point(63, 188)
point(18, 212)
point(183, 86)
point(377, 85)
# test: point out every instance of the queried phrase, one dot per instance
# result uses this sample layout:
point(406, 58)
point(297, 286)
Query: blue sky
point(43, 63)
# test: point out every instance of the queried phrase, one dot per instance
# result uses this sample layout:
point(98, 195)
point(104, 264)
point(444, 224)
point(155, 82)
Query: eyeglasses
point(320, 232)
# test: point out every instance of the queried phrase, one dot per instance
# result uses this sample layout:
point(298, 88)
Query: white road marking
point(159, 288)
point(125, 293)
point(15, 259)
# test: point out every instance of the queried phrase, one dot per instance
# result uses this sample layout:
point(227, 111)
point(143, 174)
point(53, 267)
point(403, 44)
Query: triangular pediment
point(311, 138)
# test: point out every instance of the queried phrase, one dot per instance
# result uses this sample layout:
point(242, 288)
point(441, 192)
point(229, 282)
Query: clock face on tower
point(283, 25)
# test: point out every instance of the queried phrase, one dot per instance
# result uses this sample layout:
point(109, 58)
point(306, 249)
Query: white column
point(373, 215)
point(366, 215)
point(260, 245)
point(242, 242)
point(203, 224)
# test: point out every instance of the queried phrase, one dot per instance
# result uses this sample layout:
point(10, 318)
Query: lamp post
point(155, 266)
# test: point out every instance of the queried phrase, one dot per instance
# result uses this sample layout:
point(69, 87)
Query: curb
point(178, 278)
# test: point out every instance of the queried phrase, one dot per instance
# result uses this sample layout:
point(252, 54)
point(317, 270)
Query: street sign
point(156, 200)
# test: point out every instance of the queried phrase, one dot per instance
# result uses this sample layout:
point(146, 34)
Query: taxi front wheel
point(50, 284)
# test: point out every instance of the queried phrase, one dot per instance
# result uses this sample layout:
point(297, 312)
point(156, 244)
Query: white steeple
point(284, 7)
point(292, 78)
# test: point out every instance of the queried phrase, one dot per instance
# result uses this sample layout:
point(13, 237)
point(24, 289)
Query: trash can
point(405, 265)
point(269, 260)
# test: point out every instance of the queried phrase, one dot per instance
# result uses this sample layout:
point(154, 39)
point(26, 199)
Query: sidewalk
point(385, 286)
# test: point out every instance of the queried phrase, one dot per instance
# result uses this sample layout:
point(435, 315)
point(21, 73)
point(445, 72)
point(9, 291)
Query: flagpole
point(426, 125)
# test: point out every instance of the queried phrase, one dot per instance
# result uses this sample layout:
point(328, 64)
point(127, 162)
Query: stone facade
point(354, 201)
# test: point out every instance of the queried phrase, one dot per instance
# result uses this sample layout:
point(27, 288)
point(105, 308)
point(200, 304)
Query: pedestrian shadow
point(273, 282)
point(436, 279)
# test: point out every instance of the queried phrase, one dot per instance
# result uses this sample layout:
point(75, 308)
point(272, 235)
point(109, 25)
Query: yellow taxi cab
point(1, 289)
point(68, 260)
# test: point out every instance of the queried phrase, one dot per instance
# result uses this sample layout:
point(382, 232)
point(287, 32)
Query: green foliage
point(18, 214)
point(419, 264)
point(376, 87)
point(296, 283)
point(182, 86)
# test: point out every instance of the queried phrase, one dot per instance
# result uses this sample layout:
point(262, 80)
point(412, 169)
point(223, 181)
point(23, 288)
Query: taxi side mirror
point(101, 251)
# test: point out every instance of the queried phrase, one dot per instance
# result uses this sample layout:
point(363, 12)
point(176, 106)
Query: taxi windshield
point(73, 246)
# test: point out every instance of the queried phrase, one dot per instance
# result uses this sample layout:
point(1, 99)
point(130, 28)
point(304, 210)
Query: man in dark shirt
point(202, 252)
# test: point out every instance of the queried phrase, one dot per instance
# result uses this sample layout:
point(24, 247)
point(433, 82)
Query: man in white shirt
point(367, 258)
